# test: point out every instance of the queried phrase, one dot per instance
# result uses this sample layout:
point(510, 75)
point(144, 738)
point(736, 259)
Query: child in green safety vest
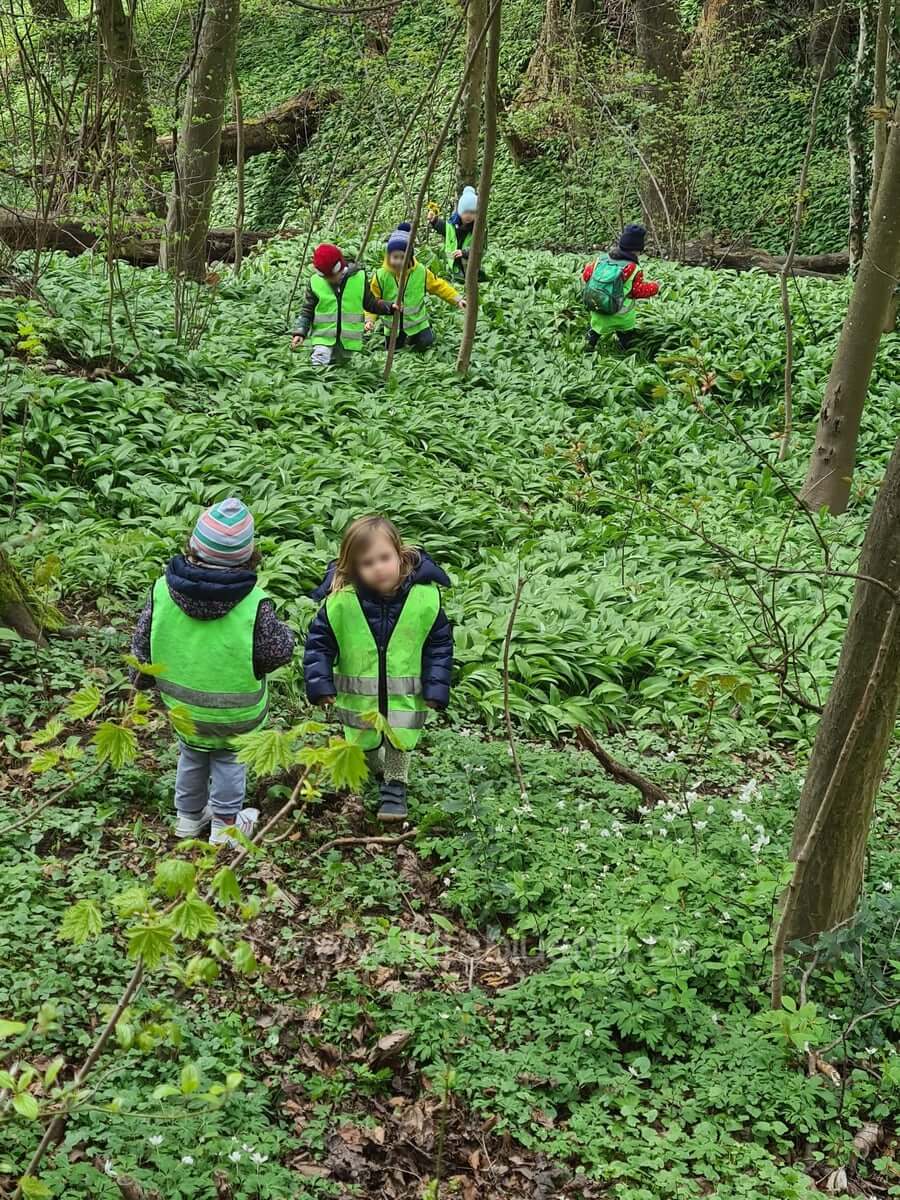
point(381, 643)
point(415, 328)
point(457, 232)
point(613, 284)
point(213, 637)
point(333, 314)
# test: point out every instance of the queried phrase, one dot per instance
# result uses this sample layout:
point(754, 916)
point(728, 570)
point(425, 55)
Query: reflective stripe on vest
point(415, 316)
point(388, 681)
point(451, 244)
point(346, 309)
point(207, 668)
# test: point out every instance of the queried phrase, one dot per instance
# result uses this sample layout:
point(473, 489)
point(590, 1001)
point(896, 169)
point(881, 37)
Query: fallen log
point(288, 126)
point(746, 258)
point(21, 229)
point(652, 792)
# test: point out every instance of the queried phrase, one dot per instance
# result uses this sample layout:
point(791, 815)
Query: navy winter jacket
point(382, 614)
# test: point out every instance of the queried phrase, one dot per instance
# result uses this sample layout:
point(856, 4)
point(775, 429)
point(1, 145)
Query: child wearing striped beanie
point(213, 637)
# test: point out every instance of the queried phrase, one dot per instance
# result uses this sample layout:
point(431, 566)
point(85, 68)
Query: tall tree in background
point(885, 32)
point(848, 758)
point(199, 138)
point(479, 233)
point(830, 471)
point(130, 89)
point(470, 107)
point(660, 46)
point(857, 121)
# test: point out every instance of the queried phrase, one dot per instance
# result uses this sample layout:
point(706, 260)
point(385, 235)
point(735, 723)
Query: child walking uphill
point(415, 328)
point(334, 309)
point(457, 232)
point(381, 640)
point(612, 285)
point(216, 637)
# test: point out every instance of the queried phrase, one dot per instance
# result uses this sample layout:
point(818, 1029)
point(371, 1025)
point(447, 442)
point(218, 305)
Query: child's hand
point(457, 253)
point(396, 308)
point(296, 340)
point(369, 326)
point(461, 303)
point(325, 701)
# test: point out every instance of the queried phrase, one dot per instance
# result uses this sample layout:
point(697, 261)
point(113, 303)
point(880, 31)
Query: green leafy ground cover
point(581, 984)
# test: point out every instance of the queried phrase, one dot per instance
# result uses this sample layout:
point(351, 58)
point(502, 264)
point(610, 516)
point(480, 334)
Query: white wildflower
point(584, 826)
point(109, 1169)
point(649, 941)
point(605, 833)
point(885, 886)
point(258, 1159)
point(234, 1156)
point(738, 815)
point(248, 1149)
point(588, 1033)
point(710, 809)
point(669, 755)
point(581, 847)
point(187, 1159)
point(748, 791)
point(691, 796)
point(668, 817)
point(700, 824)
point(663, 832)
point(155, 1139)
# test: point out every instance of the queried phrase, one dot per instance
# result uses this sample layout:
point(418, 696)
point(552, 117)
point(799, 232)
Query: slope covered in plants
point(555, 993)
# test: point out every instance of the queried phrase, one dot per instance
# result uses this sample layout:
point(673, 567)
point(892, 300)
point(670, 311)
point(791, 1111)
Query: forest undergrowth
point(547, 991)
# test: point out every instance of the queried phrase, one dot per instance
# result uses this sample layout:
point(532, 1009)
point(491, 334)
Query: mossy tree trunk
point(833, 872)
point(20, 608)
point(830, 471)
point(200, 135)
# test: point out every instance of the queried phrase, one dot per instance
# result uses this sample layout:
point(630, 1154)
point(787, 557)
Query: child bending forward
point(415, 327)
point(381, 641)
point(216, 636)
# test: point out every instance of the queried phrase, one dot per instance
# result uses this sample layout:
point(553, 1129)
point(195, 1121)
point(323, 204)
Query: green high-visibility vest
point(208, 668)
point(345, 310)
point(625, 318)
point(390, 680)
point(451, 246)
point(415, 314)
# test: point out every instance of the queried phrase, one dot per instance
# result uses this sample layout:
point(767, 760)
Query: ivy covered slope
point(747, 115)
point(562, 993)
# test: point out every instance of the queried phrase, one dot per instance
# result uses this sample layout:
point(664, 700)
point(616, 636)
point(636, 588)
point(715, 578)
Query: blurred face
point(467, 218)
point(334, 277)
point(378, 566)
point(395, 259)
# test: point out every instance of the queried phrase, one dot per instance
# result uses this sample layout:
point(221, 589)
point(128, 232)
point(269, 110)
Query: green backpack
point(604, 292)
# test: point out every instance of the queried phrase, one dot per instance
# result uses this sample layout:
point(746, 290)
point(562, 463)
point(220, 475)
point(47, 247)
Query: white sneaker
point(187, 826)
point(245, 822)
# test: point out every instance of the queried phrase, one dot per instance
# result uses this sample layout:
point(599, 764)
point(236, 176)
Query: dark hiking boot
point(393, 803)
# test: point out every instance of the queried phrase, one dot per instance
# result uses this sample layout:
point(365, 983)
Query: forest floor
point(561, 993)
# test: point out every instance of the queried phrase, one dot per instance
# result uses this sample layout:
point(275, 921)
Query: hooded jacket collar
point(617, 254)
point(207, 592)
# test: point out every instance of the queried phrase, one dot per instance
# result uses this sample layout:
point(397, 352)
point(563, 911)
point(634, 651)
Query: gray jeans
point(213, 777)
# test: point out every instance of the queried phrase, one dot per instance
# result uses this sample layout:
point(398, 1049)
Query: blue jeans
point(213, 777)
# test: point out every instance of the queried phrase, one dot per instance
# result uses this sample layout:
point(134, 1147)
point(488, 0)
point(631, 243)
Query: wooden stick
point(375, 840)
point(651, 791)
point(510, 736)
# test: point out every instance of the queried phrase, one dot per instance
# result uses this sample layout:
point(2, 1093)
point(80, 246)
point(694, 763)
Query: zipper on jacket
point(382, 664)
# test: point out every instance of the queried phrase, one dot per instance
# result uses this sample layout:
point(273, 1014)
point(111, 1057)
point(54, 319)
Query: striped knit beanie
point(223, 535)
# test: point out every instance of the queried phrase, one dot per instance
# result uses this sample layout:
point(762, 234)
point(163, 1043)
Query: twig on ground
point(374, 840)
point(621, 773)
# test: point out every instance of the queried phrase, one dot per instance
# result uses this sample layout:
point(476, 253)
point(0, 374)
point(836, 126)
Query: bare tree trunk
point(239, 170)
point(197, 154)
point(833, 876)
point(879, 91)
point(127, 76)
point(479, 233)
point(830, 471)
point(470, 108)
point(660, 43)
point(856, 128)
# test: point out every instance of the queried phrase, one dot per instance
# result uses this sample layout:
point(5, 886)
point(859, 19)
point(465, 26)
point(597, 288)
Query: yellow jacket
point(434, 285)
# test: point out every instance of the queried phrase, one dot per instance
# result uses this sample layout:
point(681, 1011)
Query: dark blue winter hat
point(632, 238)
point(399, 239)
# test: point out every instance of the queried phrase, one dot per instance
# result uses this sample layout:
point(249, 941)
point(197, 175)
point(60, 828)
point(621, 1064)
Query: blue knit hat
point(399, 239)
point(632, 238)
point(468, 201)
